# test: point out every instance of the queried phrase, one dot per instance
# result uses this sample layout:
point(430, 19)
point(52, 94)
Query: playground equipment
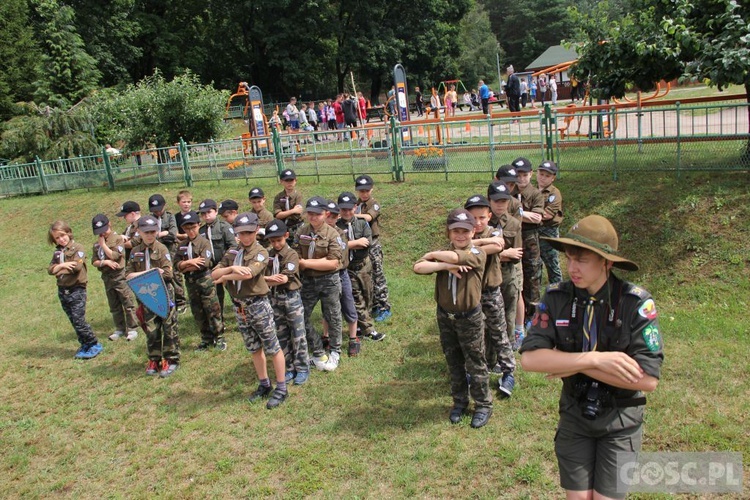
point(238, 103)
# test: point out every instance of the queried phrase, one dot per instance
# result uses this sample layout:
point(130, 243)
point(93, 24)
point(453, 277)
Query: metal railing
point(609, 138)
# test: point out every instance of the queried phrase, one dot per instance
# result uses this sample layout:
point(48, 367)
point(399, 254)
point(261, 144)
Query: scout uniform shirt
point(455, 295)
point(71, 253)
point(286, 262)
point(493, 276)
point(115, 243)
point(190, 249)
point(371, 208)
point(167, 222)
point(326, 243)
point(132, 235)
point(256, 258)
point(625, 322)
point(512, 235)
point(355, 229)
point(552, 205)
point(144, 258)
point(264, 217)
point(220, 236)
point(282, 203)
point(532, 201)
point(514, 208)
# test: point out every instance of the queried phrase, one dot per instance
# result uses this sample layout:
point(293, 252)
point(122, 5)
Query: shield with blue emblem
point(151, 291)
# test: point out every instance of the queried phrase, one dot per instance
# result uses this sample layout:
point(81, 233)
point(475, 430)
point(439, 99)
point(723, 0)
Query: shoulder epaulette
point(233, 251)
point(558, 287)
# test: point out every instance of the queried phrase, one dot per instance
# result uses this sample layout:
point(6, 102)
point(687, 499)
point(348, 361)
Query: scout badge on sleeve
point(151, 291)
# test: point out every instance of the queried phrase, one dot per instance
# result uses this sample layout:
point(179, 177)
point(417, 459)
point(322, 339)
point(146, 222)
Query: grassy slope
point(377, 426)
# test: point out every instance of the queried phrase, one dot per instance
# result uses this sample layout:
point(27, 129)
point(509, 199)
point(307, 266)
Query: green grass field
point(377, 427)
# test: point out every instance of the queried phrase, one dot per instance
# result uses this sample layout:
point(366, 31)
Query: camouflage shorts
point(256, 325)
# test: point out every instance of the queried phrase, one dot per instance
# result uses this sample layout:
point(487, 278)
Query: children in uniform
point(242, 269)
point(258, 201)
point(192, 260)
point(109, 257)
point(68, 266)
point(282, 278)
point(458, 290)
point(162, 340)
point(319, 248)
point(221, 237)
point(359, 240)
point(167, 236)
point(600, 335)
point(348, 310)
point(287, 205)
point(368, 209)
point(551, 218)
point(498, 350)
point(228, 210)
point(131, 212)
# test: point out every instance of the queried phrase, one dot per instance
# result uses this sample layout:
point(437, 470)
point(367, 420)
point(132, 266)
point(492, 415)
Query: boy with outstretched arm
point(242, 269)
point(458, 291)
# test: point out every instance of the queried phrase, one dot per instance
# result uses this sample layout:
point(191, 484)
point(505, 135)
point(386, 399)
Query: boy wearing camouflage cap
point(459, 272)
point(600, 335)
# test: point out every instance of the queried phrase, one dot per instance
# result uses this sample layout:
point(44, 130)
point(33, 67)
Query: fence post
point(185, 163)
point(108, 169)
point(277, 152)
point(491, 132)
point(679, 146)
point(613, 119)
point(40, 173)
point(548, 122)
point(396, 140)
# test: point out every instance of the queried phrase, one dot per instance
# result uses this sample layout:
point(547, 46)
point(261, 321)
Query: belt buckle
point(451, 316)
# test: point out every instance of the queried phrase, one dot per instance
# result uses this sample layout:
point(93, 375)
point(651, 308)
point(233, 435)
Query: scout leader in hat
point(600, 335)
point(596, 234)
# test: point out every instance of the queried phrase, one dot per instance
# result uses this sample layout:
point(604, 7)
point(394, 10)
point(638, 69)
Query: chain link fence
point(608, 138)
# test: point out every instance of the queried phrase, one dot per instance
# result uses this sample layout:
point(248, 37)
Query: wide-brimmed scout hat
point(597, 234)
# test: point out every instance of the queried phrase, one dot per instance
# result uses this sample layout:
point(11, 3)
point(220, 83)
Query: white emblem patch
point(231, 230)
point(474, 250)
point(120, 249)
point(202, 205)
point(474, 199)
point(81, 254)
point(552, 198)
point(273, 228)
point(288, 172)
point(290, 266)
point(150, 222)
point(244, 220)
point(332, 206)
point(519, 163)
point(512, 171)
point(261, 258)
point(314, 203)
point(461, 216)
point(254, 191)
point(187, 217)
point(363, 181)
point(345, 198)
point(376, 207)
point(167, 256)
point(155, 202)
point(99, 223)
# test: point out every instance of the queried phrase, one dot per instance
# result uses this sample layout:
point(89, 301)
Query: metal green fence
point(613, 139)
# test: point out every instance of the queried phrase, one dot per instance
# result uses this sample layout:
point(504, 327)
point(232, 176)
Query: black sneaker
point(277, 397)
point(481, 417)
point(376, 336)
point(260, 393)
point(203, 346)
point(456, 413)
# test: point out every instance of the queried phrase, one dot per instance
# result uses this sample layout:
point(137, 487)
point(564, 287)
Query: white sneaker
point(132, 335)
point(333, 362)
point(116, 335)
point(320, 362)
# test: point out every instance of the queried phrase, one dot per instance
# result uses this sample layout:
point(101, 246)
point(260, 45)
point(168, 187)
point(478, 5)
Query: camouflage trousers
point(380, 297)
point(509, 290)
point(532, 268)
point(289, 316)
point(178, 282)
point(462, 340)
point(121, 301)
point(73, 301)
point(256, 325)
point(550, 256)
point(162, 339)
point(327, 290)
point(204, 304)
point(360, 274)
point(497, 347)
